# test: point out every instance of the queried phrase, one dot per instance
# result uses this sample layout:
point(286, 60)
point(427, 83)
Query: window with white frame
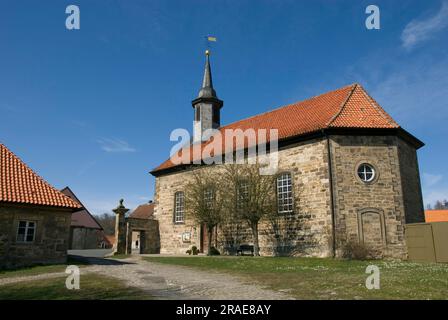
point(179, 207)
point(242, 194)
point(284, 193)
point(26, 231)
point(209, 197)
point(366, 172)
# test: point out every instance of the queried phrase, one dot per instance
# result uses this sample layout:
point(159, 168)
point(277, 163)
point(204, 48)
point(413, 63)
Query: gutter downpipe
point(330, 175)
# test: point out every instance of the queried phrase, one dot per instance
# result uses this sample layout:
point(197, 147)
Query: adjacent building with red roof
point(85, 231)
point(35, 217)
point(347, 172)
point(436, 215)
point(139, 217)
point(143, 211)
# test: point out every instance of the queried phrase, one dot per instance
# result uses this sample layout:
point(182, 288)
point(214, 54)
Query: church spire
point(207, 90)
point(207, 106)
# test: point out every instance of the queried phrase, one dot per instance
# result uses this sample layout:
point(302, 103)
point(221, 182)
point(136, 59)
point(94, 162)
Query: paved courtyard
point(168, 282)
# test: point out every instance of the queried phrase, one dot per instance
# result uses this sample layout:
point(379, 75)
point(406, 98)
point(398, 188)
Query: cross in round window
point(366, 172)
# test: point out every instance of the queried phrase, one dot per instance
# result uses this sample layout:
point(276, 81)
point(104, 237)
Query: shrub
point(356, 251)
point(214, 251)
point(193, 251)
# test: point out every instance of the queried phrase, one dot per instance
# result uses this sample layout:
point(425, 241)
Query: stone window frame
point(292, 191)
point(380, 212)
point(36, 217)
point(175, 207)
point(27, 228)
point(375, 168)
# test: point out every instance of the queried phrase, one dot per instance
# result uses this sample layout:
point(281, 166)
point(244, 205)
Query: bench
point(245, 249)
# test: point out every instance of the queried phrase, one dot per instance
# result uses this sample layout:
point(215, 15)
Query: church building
point(347, 173)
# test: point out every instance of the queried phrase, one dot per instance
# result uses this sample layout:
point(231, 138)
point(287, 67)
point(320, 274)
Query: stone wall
point(84, 238)
point(171, 240)
point(149, 235)
point(308, 230)
point(51, 239)
point(410, 180)
point(372, 213)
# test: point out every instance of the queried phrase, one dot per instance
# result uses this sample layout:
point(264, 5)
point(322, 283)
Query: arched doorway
point(372, 230)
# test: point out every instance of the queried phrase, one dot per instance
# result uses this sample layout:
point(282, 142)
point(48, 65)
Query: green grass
point(39, 269)
point(92, 287)
point(32, 271)
point(314, 278)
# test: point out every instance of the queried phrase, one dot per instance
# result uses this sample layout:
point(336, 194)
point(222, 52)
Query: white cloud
point(414, 93)
point(430, 180)
point(418, 31)
point(115, 145)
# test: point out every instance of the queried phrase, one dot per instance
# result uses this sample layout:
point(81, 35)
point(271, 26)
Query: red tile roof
point(110, 239)
point(144, 211)
point(82, 218)
point(347, 107)
point(20, 184)
point(436, 215)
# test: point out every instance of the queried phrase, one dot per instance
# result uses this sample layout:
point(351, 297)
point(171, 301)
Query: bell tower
point(207, 106)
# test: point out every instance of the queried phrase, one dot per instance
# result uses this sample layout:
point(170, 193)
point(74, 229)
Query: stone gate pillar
point(120, 228)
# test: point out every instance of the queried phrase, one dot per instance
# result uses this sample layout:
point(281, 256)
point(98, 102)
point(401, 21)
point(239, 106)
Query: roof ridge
point(82, 205)
point(42, 180)
point(339, 108)
point(383, 112)
point(287, 105)
point(343, 104)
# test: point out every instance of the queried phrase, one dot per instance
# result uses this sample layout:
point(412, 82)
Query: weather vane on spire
point(209, 39)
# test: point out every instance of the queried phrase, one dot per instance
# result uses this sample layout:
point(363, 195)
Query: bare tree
point(249, 196)
point(107, 221)
point(204, 201)
point(441, 205)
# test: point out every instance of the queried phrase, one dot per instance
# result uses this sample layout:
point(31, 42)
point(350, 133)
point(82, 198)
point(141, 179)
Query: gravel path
point(171, 282)
point(32, 278)
point(178, 282)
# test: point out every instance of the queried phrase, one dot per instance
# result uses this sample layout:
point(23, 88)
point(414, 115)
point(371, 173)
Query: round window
point(366, 172)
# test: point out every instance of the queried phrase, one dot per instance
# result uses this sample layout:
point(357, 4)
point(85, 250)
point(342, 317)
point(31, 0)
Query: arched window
point(179, 207)
point(284, 193)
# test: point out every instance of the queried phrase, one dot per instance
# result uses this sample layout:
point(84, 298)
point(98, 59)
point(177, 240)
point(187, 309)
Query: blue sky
point(93, 108)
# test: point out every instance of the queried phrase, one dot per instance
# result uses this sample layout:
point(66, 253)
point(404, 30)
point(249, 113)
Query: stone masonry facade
point(124, 228)
point(51, 238)
point(322, 221)
point(375, 213)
